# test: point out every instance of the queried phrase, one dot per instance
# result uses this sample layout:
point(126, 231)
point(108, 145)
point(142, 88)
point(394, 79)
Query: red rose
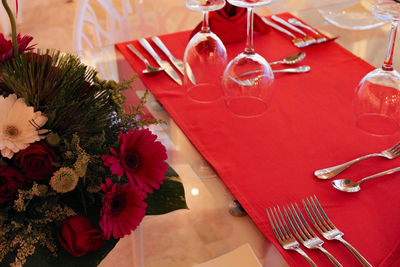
point(10, 181)
point(36, 161)
point(78, 236)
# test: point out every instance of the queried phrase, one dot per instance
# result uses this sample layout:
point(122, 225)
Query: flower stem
point(13, 27)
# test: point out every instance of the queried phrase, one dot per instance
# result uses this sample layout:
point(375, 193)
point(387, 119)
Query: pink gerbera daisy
point(123, 209)
point(141, 158)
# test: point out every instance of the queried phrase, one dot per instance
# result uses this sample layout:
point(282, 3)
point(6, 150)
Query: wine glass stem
point(205, 27)
point(388, 64)
point(249, 43)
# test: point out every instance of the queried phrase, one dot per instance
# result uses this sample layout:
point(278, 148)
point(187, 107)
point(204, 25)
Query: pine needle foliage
point(68, 93)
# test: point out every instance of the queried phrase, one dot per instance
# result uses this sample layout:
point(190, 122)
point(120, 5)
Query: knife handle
point(287, 24)
point(161, 45)
point(149, 49)
point(277, 27)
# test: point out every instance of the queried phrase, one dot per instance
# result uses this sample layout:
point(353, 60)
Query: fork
point(326, 228)
point(284, 236)
point(331, 172)
point(296, 22)
point(304, 233)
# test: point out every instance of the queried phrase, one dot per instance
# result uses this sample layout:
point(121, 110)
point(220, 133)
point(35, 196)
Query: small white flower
point(19, 125)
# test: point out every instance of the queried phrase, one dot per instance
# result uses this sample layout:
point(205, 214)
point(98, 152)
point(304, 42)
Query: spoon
point(149, 69)
point(347, 185)
point(252, 81)
point(292, 59)
point(300, 69)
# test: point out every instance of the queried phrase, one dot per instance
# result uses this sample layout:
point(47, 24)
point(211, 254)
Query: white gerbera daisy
point(19, 125)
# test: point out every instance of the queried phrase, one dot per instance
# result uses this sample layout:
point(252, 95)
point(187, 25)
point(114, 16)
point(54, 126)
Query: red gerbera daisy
point(123, 209)
point(141, 158)
point(6, 49)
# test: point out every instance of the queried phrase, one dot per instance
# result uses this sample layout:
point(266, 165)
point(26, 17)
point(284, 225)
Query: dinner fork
point(331, 172)
point(284, 236)
point(326, 228)
point(318, 36)
point(304, 233)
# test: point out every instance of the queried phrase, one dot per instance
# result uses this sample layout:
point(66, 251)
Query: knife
point(167, 67)
point(177, 62)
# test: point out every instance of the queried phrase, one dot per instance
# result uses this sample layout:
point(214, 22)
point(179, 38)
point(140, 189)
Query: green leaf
point(170, 196)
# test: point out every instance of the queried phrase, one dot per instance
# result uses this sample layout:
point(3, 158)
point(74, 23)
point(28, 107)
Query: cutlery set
point(347, 185)
point(294, 25)
point(291, 227)
point(179, 65)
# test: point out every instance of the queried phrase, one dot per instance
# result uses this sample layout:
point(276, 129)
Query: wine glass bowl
point(246, 81)
point(205, 5)
point(377, 97)
point(377, 103)
point(205, 57)
point(248, 77)
point(389, 11)
point(250, 3)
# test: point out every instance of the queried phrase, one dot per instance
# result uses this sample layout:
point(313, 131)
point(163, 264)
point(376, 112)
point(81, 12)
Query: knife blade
point(177, 62)
point(287, 24)
point(167, 67)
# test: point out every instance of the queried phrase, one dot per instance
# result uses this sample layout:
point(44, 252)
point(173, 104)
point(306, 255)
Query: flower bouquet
point(76, 172)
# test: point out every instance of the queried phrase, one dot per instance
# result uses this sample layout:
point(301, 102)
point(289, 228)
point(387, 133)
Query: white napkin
point(243, 256)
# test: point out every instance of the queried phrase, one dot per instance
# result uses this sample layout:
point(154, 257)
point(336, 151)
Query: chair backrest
point(101, 23)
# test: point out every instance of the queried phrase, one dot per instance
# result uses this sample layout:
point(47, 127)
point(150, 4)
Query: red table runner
point(270, 160)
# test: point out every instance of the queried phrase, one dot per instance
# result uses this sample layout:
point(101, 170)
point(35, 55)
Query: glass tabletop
point(207, 229)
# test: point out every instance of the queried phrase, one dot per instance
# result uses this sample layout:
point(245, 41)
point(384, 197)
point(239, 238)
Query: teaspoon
point(292, 59)
point(149, 69)
point(347, 185)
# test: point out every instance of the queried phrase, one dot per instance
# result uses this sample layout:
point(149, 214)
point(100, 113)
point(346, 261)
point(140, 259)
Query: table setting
point(267, 159)
point(258, 135)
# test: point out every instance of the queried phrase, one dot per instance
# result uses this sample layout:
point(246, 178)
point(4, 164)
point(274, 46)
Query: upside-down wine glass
point(377, 97)
point(205, 57)
point(248, 77)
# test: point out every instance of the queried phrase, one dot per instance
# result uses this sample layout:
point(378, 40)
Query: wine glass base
point(204, 93)
point(246, 106)
point(377, 124)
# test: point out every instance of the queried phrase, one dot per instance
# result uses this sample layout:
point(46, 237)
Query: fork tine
point(284, 222)
point(396, 150)
point(321, 218)
point(273, 227)
point(315, 217)
point(395, 147)
point(298, 233)
point(323, 213)
point(300, 225)
point(303, 222)
point(286, 235)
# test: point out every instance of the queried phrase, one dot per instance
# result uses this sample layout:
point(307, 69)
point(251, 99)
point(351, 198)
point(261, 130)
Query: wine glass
point(377, 97)
point(205, 57)
point(248, 77)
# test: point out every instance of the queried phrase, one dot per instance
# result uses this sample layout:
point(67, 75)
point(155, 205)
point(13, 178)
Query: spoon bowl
point(150, 69)
point(346, 185)
point(291, 59)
